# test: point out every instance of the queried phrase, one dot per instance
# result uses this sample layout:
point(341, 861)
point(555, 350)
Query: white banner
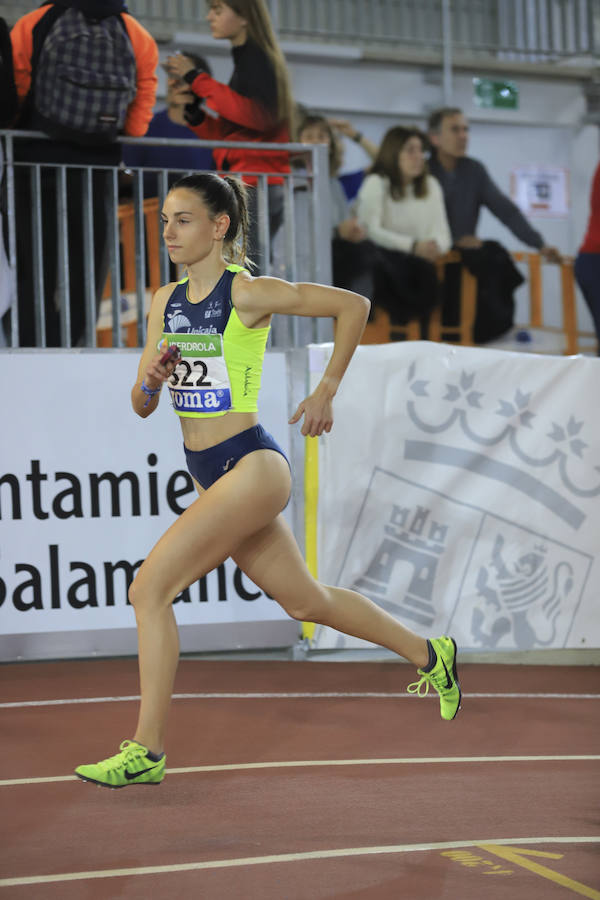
point(459, 489)
point(87, 488)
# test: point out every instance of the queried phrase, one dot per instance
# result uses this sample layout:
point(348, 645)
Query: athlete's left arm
point(263, 296)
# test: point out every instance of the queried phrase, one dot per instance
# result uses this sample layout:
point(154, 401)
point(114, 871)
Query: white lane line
point(335, 695)
point(321, 763)
point(289, 857)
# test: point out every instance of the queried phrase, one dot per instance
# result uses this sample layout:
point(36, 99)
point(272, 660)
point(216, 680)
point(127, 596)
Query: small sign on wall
point(491, 94)
point(541, 191)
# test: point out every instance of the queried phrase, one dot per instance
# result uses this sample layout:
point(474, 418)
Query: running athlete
point(218, 316)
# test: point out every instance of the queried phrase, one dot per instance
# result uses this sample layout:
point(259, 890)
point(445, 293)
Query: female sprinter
point(242, 477)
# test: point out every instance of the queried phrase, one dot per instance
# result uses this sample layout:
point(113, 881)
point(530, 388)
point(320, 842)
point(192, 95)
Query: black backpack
point(8, 91)
point(83, 76)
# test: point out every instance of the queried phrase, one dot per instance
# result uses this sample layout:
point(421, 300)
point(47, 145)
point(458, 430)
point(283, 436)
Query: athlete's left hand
point(318, 414)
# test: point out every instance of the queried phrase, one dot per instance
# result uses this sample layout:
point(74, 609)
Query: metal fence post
point(321, 214)
point(38, 268)
point(321, 206)
point(12, 237)
point(115, 261)
point(447, 50)
point(140, 255)
point(90, 266)
point(62, 252)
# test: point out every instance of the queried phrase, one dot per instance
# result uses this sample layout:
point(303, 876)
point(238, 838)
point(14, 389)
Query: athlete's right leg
point(234, 507)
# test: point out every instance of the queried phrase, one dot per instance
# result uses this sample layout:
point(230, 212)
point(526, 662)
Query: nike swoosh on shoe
point(131, 775)
point(448, 679)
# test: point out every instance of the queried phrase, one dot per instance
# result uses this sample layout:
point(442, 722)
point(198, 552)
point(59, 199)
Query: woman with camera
point(256, 106)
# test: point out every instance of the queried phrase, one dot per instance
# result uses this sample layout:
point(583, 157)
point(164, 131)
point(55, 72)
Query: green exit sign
point(495, 94)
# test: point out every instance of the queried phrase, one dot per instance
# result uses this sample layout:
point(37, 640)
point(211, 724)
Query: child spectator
point(171, 123)
point(353, 256)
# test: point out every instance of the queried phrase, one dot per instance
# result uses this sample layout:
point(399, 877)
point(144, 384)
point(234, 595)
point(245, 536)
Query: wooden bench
point(381, 331)
point(574, 339)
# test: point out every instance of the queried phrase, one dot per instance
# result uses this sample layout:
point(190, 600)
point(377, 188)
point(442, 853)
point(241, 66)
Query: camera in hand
point(193, 112)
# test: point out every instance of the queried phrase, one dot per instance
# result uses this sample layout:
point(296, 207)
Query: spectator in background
point(256, 106)
point(171, 123)
point(467, 187)
point(351, 181)
point(587, 263)
point(27, 35)
point(353, 256)
point(401, 208)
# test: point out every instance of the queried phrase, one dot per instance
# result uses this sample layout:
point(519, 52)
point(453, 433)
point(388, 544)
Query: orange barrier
point(381, 331)
point(126, 219)
point(576, 340)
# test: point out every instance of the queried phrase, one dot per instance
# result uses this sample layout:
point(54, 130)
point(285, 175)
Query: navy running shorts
point(207, 466)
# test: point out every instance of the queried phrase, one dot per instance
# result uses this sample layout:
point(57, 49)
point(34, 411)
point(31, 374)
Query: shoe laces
point(127, 750)
point(421, 687)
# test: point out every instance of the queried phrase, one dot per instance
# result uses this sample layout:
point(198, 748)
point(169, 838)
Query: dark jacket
point(466, 189)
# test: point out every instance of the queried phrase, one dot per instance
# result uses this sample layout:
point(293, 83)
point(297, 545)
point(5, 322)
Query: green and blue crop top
point(221, 359)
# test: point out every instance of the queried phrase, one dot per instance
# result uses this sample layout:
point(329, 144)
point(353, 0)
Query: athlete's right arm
point(150, 371)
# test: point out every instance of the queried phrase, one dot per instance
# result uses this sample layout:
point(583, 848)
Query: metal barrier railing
point(299, 251)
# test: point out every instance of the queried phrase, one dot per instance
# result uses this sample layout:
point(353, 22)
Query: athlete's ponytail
point(223, 195)
point(236, 239)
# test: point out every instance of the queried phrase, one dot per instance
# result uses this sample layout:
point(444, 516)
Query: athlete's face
point(226, 24)
point(188, 229)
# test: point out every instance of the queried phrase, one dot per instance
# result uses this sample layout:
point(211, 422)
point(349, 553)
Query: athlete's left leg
point(272, 559)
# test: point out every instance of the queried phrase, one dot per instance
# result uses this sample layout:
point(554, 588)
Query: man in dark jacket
point(28, 36)
point(467, 187)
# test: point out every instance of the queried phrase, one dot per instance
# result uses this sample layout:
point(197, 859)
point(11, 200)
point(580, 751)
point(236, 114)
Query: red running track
point(303, 781)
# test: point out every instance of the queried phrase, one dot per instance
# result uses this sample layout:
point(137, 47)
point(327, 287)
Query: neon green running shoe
point(130, 765)
point(442, 676)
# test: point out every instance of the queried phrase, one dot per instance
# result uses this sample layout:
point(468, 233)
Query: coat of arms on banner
point(479, 514)
point(425, 554)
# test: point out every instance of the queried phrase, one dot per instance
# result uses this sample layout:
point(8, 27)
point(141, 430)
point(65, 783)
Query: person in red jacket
point(256, 105)
point(587, 263)
point(26, 35)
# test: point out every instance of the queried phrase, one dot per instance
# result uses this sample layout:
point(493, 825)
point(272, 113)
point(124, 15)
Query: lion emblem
point(522, 593)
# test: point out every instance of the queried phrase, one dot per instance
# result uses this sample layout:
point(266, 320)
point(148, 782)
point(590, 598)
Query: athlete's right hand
point(159, 371)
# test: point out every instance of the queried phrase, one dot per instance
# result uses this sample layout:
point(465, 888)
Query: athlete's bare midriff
point(198, 434)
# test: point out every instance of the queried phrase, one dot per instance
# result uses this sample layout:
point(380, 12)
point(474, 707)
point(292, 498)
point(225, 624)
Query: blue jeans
point(587, 274)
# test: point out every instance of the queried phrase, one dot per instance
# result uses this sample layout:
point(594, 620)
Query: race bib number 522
point(200, 381)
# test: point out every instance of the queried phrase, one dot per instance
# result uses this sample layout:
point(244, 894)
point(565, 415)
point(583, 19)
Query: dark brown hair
point(335, 145)
point(260, 30)
point(387, 164)
point(223, 195)
point(434, 123)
